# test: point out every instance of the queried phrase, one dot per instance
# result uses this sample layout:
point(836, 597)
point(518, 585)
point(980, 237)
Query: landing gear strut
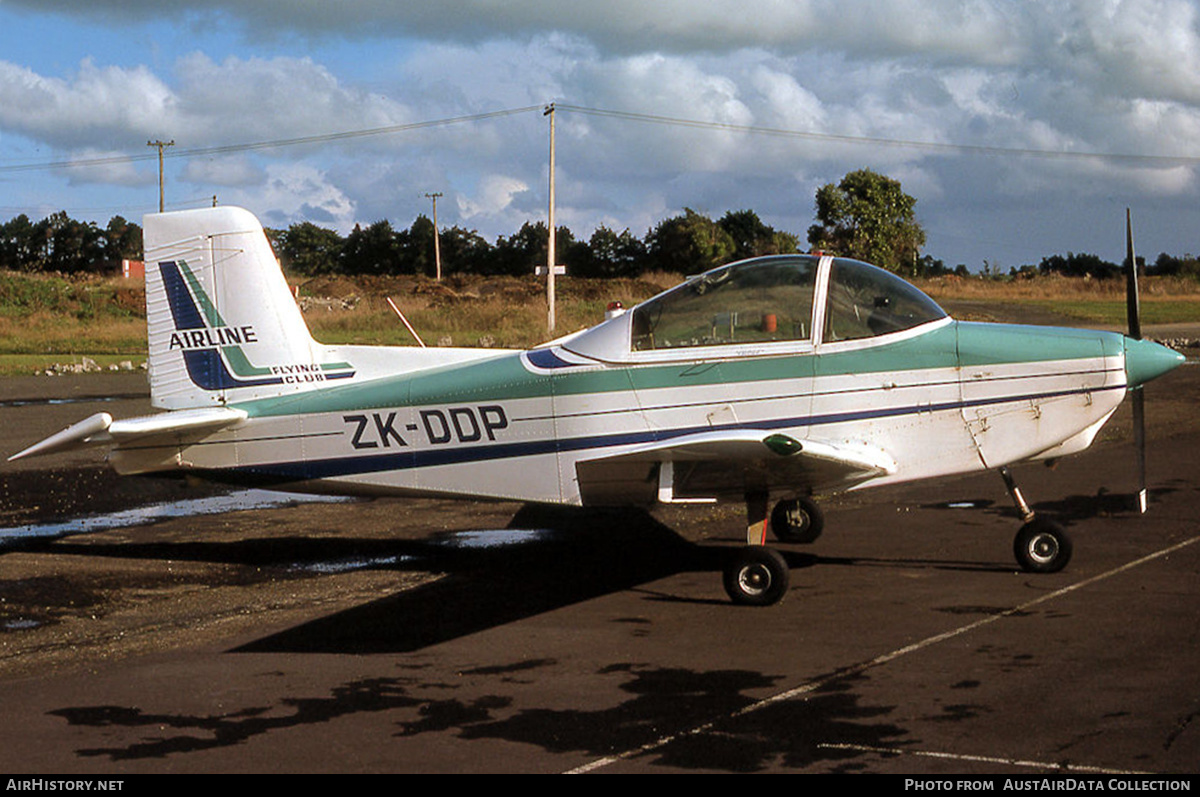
point(1041, 546)
point(757, 575)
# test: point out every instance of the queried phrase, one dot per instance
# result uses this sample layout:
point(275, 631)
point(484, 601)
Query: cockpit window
point(757, 301)
point(865, 301)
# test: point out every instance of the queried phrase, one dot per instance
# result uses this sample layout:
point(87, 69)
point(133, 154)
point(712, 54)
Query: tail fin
point(223, 325)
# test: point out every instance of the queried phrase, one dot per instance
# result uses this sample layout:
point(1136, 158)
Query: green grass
point(25, 364)
point(24, 296)
point(49, 319)
point(1108, 312)
point(46, 320)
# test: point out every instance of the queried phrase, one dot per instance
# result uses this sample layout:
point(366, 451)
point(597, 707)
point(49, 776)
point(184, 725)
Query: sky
point(1023, 129)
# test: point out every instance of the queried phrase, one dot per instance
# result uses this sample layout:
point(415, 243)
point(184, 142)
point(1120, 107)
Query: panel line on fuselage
point(329, 467)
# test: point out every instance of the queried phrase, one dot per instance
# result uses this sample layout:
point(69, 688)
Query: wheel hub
point(1043, 548)
point(798, 518)
point(754, 579)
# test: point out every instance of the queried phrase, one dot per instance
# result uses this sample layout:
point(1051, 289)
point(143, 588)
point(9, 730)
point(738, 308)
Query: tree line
point(689, 243)
point(1094, 267)
point(61, 244)
point(865, 216)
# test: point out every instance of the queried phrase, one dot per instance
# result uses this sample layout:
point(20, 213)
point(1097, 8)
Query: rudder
point(222, 324)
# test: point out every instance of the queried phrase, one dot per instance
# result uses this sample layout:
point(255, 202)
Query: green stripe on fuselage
point(997, 344)
point(505, 377)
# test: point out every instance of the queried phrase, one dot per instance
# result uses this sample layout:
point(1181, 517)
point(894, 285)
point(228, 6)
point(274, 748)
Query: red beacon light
point(613, 310)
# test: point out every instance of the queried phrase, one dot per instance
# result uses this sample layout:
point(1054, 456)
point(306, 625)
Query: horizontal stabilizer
point(206, 419)
point(77, 435)
point(101, 429)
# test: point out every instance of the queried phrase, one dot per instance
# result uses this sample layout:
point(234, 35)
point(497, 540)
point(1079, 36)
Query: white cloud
point(107, 168)
point(238, 100)
point(974, 29)
point(267, 99)
point(493, 197)
point(97, 107)
point(1174, 181)
point(1076, 75)
point(295, 192)
point(229, 171)
point(1149, 48)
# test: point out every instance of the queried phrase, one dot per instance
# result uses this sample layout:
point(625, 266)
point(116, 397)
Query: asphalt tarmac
point(429, 636)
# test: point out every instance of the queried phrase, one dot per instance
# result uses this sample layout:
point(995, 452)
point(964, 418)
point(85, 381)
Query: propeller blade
point(1139, 442)
point(1133, 311)
point(1133, 316)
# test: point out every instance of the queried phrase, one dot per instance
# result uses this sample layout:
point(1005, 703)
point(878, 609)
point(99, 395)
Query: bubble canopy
point(764, 302)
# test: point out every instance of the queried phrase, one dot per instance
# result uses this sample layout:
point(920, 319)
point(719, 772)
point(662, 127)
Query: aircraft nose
point(1145, 360)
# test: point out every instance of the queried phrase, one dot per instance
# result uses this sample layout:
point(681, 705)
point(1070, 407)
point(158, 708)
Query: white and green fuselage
point(789, 375)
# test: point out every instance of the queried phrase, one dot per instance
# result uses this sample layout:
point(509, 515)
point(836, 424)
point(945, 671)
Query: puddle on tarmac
point(464, 540)
point(139, 516)
point(495, 539)
point(20, 624)
point(349, 564)
point(50, 402)
point(13, 536)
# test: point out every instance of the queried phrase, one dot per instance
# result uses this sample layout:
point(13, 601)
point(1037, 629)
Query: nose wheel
point(1042, 546)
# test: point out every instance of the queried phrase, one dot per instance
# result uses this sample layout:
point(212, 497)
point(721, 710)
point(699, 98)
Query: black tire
point(1042, 546)
point(757, 576)
point(797, 520)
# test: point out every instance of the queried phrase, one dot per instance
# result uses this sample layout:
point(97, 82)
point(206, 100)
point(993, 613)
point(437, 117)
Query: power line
point(45, 208)
point(352, 134)
point(932, 146)
point(227, 149)
point(629, 116)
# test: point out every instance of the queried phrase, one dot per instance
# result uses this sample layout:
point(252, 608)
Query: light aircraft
point(771, 379)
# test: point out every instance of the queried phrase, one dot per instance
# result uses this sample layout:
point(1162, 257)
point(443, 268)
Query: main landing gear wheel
point(1042, 546)
point(757, 576)
point(797, 520)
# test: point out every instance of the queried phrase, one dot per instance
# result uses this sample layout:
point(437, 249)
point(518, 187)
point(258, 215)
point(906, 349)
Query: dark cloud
point(997, 86)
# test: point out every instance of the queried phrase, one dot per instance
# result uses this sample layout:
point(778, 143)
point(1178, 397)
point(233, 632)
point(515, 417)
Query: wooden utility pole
point(437, 245)
point(550, 254)
point(161, 146)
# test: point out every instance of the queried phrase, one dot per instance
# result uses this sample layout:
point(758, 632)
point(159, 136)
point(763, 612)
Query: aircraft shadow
point(547, 557)
point(567, 556)
point(1068, 509)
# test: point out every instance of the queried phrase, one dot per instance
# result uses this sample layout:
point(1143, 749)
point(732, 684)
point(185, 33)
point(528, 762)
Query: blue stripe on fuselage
point(346, 466)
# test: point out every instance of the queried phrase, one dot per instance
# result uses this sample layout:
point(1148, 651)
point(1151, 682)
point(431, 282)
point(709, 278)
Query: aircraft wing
point(719, 464)
point(101, 429)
